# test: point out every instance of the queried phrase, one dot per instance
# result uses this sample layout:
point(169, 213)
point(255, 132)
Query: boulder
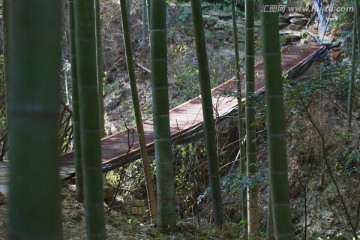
point(299, 21)
point(72, 187)
point(296, 15)
point(219, 15)
point(295, 26)
point(282, 25)
point(2, 199)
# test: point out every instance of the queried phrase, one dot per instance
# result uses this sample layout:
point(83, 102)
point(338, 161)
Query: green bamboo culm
point(209, 125)
point(75, 106)
point(240, 113)
point(99, 68)
point(148, 12)
point(34, 207)
point(137, 111)
point(357, 20)
point(353, 70)
point(6, 57)
point(166, 218)
point(275, 120)
point(252, 191)
point(144, 17)
point(5, 30)
point(89, 118)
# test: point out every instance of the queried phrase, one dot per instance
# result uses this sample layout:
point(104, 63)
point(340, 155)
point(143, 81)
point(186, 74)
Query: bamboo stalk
point(353, 70)
point(240, 112)
point(75, 106)
point(166, 218)
point(6, 55)
point(209, 125)
point(275, 120)
point(137, 111)
point(34, 208)
point(89, 118)
point(99, 68)
point(252, 191)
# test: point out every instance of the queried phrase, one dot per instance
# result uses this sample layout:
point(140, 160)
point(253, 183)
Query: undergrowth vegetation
point(318, 136)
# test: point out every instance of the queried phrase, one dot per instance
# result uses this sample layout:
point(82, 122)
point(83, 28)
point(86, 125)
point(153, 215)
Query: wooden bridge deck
point(121, 147)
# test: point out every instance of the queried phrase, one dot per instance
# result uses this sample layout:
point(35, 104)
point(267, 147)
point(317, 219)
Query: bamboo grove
point(32, 50)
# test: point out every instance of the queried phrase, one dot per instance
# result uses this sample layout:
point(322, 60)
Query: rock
point(299, 21)
point(209, 21)
point(284, 19)
point(292, 38)
point(4, 188)
point(205, 6)
point(282, 25)
point(327, 41)
point(222, 16)
point(282, 33)
point(76, 216)
point(304, 41)
point(112, 105)
point(2, 199)
point(3, 225)
point(295, 27)
point(189, 31)
point(296, 15)
point(72, 188)
point(221, 35)
point(221, 26)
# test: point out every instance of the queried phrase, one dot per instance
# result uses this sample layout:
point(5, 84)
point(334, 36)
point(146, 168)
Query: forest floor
point(122, 226)
point(310, 181)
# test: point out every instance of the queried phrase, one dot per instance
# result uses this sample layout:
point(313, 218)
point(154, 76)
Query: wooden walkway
point(122, 148)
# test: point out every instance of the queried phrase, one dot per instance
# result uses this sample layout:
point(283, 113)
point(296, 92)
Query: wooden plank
point(189, 114)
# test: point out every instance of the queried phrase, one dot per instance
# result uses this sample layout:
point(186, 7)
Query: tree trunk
point(144, 22)
point(166, 218)
point(89, 118)
point(209, 126)
point(6, 79)
point(75, 106)
point(5, 25)
point(99, 69)
point(279, 184)
point(357, 20)
point(138, 118)
point(34, 208)
point(252, 191)
point(353, 70)
point(240, 114)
